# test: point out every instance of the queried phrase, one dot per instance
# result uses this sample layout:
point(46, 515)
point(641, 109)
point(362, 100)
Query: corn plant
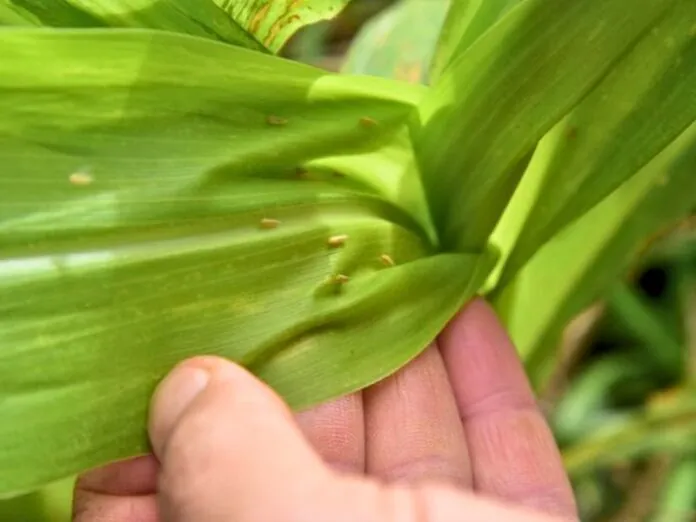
point(172, 187)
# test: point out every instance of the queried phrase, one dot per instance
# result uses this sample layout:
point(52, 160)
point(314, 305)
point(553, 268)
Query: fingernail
point(172, 397)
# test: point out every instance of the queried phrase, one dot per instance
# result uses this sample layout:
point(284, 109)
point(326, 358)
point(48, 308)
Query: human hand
point(455, 435)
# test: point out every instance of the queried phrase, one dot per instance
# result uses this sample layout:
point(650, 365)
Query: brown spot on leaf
point(258, 18)
point(338, 240)
point(341, 279)
point(269, 223)
point(276, 120)
point(81, 179)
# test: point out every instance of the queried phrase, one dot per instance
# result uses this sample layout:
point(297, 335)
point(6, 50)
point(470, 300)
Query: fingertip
point(187, 382)
point(172, 397)
point(225, 442)
point(484, 367)
point(479, 314)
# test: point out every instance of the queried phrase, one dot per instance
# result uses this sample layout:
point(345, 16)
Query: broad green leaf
point(141, 170)
point(466, 21)
point(273, 22)
point(193, 17)
point(399, 42)
point(666, 428)
point(646, 101)
point(579, 264)
point(495, 101)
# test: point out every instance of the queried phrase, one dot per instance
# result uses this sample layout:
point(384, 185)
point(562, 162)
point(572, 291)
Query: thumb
point(229, 449)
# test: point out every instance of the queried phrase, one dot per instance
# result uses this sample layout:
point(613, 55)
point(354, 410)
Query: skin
point(456, 435)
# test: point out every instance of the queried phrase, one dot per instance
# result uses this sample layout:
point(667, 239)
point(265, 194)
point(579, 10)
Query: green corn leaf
point(466, 21)
point(495, 101)
point(194, 17)
point(399, 42)
point(666, 428)
point(579, 264)
point(255, 24)
point(273, 22)
point(646, 101)
point(151, 208)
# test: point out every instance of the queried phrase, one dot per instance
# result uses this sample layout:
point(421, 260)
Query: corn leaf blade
point(637, 110)
point(150, 210)
point(400, 42)
point(466, 21)
point(201, 18)
point(495, 101)
point(578, 265)
point(273, 22)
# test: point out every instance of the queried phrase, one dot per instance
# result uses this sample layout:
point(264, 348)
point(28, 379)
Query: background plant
point(604, 150)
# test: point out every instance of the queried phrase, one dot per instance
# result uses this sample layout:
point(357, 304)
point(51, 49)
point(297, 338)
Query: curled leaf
point(106, 285)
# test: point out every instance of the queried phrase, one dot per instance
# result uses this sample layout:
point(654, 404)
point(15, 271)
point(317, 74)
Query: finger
point(230, 450)
point(136, 476)
point(412, 426)
point(96, 507)
point(513, 452)
point(226, 445)
point(336, 430)
point(123, 491)
point(435, 503)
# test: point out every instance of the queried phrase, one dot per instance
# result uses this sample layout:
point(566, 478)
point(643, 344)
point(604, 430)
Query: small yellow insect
point(368, 122)
point(341, 279)
point(337, 241)
point(269, 223)
point(81, 179)
point(387, 260)
point(276, 120)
